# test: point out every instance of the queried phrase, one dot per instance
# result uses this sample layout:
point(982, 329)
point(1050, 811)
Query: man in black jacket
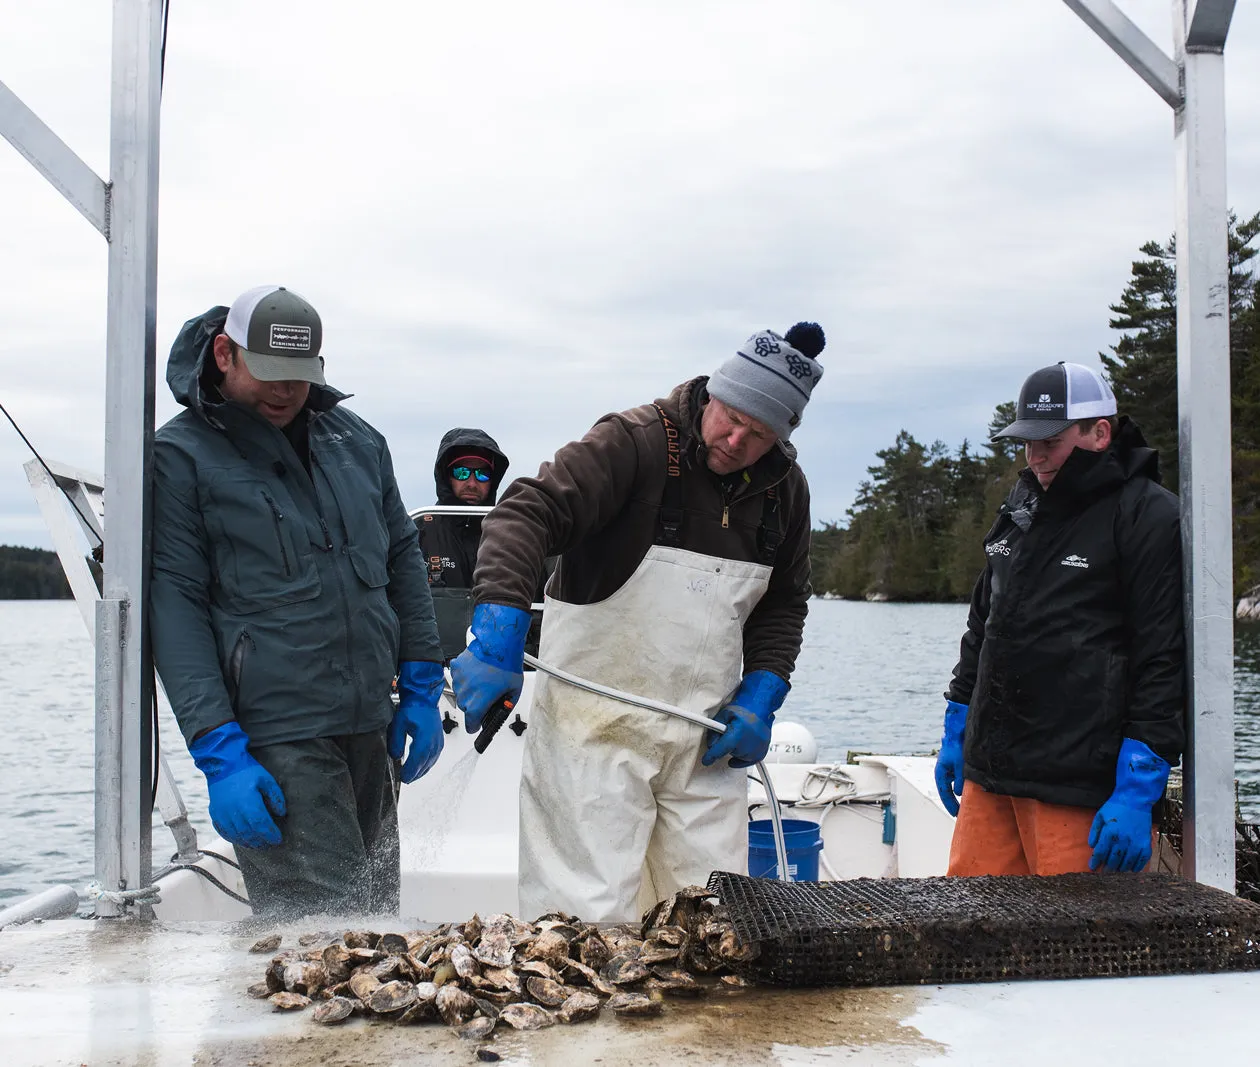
point(470, 465)
point(1066, 707)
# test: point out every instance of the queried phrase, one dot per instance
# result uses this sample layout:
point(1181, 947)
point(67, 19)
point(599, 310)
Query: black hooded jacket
point(1075, 640)
point(449, 542)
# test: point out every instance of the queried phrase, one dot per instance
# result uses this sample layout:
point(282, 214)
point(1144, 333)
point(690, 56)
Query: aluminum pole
point(1203, 404)
point(124, 686)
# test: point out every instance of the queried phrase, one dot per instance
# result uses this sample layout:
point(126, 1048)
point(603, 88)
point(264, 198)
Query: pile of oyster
point(481, 973)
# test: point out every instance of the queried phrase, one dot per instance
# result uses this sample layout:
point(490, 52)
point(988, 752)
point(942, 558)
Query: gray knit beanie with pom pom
point(770, 378)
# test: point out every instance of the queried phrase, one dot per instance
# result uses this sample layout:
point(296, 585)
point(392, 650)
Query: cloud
point(524, 217)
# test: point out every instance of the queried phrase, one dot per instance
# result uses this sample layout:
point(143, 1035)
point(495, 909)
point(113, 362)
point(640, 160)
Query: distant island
point(31, 574)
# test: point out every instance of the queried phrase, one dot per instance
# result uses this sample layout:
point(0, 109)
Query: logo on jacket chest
point(1075, 561)
point(998, 548)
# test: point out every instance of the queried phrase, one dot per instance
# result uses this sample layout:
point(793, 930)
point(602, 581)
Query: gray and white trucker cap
point(1055, 397)
point(279, 334)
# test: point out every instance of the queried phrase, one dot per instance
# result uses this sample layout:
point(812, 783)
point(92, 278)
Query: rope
point(175, 865)
point(149, 894)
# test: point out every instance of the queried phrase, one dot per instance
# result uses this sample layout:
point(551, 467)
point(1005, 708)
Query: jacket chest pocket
point(259, 548)
point(360, 503)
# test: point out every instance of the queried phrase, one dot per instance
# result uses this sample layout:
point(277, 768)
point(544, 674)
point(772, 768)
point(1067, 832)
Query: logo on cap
point(293, 338)
point(1044, 398)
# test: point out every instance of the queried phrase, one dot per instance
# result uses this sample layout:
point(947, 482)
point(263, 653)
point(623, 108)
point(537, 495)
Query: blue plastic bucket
point(803, 839)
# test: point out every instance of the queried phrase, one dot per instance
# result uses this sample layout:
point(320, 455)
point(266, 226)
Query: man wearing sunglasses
point(683, 534)
point(469, 468)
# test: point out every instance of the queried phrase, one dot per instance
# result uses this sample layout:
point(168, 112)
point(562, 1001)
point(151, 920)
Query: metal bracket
point(1209, 25)
point(1124, 38)
point(54, 159)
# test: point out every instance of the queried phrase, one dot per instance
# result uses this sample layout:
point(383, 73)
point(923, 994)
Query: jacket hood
point(467, 439)
point(192, 354)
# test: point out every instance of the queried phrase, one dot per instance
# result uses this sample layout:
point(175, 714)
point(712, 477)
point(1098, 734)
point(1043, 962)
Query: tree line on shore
point(916, 528)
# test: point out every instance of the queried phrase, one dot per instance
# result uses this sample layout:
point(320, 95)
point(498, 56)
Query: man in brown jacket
point(683, 534)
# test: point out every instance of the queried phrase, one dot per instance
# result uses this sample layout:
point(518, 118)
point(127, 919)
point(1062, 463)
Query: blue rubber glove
point(493, 665)
point(949, 763)
point(748, 718)
point(241, 790)
point(420, 685)
point(1121, 833)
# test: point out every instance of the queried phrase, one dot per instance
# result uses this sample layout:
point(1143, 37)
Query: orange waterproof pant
point(997, 834)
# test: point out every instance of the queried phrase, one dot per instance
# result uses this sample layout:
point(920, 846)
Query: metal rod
point(1203, 402)
point(54, 159)
point(125, 708)
point(1124, 38)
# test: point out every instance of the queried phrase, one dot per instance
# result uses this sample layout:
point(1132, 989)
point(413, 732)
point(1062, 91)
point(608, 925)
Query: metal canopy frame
point(1193, 83)
point(124, 210)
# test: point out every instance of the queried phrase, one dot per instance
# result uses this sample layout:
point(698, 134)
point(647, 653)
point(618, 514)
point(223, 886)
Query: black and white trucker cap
point(279, 334)
point(1055, 397)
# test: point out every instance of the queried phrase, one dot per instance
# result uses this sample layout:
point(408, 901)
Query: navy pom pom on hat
point(770, 378)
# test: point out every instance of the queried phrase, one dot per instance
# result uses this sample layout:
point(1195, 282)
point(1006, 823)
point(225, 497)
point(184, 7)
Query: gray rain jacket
point(281, 599)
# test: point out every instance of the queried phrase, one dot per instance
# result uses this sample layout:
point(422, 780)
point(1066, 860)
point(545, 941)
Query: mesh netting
point(872, 931)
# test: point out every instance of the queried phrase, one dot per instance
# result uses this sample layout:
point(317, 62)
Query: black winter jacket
point(449, 542)
point(1075, 640)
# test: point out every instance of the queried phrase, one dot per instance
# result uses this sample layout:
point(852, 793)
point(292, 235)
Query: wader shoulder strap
point(770, 532)
point(669, 521)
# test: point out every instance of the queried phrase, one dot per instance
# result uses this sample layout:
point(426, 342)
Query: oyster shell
point(420, 1011)
point(678, 984)
point(526, 1017)
point(594, 951)
point(623, 970)
point(360, 939)
point(336, 1010)
point(658, 952)
point(471, 930)
point(573, 971)
point(550, 945)
point(546, 992)
point(392, 997)
point(540, 968)
point(735, 981)
point(502, 978)
point(444, 973)
point(336, 962)
point(578, 1006)
point(393, 944)
point(634, 1004)
point(363, 985)
point(284, 1001)
point(266, 944)
point(305, 978)
point(463, 962)
point(259, 991)
point(319, 938)
point(495, 949)
point(389, 968)
point(477, 1029)
point(454, 1005)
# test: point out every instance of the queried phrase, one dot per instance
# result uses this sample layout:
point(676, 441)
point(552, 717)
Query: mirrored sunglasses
point(462, 474)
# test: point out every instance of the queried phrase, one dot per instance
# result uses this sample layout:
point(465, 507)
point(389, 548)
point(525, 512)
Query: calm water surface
point(870, 678)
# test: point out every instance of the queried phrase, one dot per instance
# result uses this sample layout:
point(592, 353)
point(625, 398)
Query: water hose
point(776, 820)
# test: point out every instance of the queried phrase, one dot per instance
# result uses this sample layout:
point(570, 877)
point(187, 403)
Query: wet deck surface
point(78, 992)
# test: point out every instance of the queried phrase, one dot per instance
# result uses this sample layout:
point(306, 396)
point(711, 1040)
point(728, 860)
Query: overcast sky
point(522, 216)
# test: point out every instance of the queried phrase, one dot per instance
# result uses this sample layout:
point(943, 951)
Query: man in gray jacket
point(288, 590)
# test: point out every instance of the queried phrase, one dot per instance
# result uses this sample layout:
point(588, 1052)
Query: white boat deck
point(119, 992)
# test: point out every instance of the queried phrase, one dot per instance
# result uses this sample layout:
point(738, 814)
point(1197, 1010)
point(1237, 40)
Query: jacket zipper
point(726, 516)
point(276, 516)
point(341, 587)
point(236, 668)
